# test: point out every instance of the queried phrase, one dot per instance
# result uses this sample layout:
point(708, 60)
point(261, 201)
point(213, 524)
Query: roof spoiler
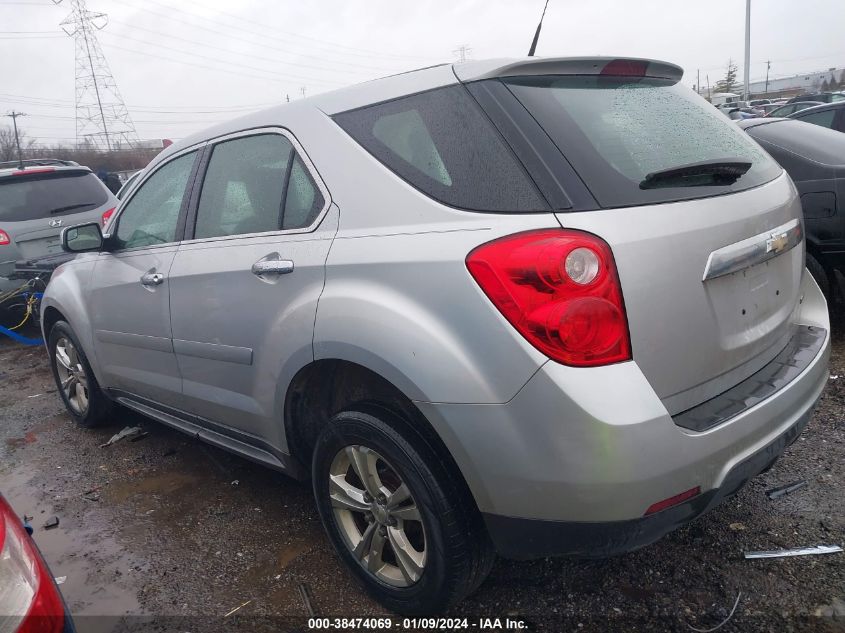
point(608, 66)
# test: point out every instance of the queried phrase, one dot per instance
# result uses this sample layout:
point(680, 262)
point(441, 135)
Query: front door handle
point(152, 279)
point(272, 267)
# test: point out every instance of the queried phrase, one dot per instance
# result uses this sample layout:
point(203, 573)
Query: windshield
point(618, 131)
point(48, 195)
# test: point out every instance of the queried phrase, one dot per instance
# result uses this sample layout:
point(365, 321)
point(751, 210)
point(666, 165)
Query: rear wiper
point(73, 206)
point(720, 171)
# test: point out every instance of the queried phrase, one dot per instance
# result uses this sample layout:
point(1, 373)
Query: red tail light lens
point(29, 601)
point(4, 238)
point(560, 290)
point(625, 68)
point(107, 215)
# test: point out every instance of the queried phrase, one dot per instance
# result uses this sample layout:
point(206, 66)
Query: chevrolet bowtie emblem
point(777, 242)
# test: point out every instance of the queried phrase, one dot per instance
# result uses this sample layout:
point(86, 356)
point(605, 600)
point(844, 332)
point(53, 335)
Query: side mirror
point(82, 238)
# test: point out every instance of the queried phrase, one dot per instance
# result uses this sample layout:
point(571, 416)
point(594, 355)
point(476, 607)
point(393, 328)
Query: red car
point(30, 601)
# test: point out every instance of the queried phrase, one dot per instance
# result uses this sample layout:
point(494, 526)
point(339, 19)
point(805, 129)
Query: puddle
point(80, 548)
point(171, 485)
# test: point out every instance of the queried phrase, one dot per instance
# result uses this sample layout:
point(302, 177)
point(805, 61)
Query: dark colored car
point(829, 115)
point(815, 159)
point(790, 108)
point(30, 601)
point(824, 97)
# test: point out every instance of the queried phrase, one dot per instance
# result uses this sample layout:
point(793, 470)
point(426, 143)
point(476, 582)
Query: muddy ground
point(185, 532)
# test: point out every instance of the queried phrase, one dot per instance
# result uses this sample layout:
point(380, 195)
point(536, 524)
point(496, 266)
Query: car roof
point(419, 80)
point(813, 142)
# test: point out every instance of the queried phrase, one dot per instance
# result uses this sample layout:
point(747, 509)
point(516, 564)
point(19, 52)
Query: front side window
point(244, 186)
point(441, 143)
point(151, 216)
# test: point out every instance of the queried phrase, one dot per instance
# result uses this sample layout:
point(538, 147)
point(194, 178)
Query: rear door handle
point(152, 279)
point(272, 267)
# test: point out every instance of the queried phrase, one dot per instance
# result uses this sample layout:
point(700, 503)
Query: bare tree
point(728, 84)
point(8, 147)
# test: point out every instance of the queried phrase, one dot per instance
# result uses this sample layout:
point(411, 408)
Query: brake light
point(27, 172)
point(29, 601)
point(625, 68)
point(4, 238)
point(107, 215)
point(560, 290)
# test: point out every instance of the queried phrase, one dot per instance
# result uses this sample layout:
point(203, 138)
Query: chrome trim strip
point(213, 351)
point(754, 250)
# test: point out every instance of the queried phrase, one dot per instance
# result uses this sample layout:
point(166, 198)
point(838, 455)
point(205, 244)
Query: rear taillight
point(29, 601)
point(107, 215)
point(4, 238)
point(560, 290)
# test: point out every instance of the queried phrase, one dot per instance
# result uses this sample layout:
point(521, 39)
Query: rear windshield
point(440, 142)
point(621, 135)
point(49, 195)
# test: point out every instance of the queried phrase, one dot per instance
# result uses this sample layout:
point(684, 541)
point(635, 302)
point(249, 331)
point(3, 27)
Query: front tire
point(78, 387)
point(394, 514)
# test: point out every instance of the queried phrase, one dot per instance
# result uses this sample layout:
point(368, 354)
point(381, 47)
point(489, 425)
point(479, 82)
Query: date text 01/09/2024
point(483, 624)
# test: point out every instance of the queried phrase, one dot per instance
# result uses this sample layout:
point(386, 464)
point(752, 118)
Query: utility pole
point(768, 65)
point(462, 52)
point(302, 90)
point(745, 94)
point(698, 81)
point(14, 116)
point(709, 96)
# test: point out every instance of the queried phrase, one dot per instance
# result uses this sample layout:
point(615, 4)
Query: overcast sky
point(182, 65)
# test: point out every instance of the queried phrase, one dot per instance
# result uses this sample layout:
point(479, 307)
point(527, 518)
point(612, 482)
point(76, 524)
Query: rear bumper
point(590, 450)
point(525, 538)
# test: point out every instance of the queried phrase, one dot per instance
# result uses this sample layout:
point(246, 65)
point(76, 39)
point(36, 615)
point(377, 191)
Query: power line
point(250, 41)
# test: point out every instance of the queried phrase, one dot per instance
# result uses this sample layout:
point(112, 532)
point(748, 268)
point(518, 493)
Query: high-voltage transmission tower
point(102, 119)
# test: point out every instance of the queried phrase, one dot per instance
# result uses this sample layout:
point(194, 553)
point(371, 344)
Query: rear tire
point(424, 554)
point(819, 274)
point(77, 386)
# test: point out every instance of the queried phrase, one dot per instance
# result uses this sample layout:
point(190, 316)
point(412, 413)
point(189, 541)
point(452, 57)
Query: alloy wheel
point(377, 515)
point(72, 377)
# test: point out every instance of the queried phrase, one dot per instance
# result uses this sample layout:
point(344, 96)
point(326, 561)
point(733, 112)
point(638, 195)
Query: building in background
point(832, 79)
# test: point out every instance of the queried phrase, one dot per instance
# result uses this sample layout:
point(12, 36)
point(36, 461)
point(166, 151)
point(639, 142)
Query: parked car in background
point(472, 340)
point(759, 102)
point(36, 202)
point(791, 108)
point(127, 185)
point(823, 97)
point(815, 159)
point(29, 597)
point(831, 116)
point(768, 107)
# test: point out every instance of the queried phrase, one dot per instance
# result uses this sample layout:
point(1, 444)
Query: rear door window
point(441, 143)
point(48, 195)
point(256, 184)
point(824, 118)
point(619, 133)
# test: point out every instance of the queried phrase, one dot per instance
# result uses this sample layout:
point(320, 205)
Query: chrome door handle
point(152, 279)
point(272, 267)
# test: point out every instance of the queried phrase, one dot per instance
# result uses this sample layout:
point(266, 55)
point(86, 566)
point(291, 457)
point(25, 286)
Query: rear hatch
point(36, 204)
point(705, 227)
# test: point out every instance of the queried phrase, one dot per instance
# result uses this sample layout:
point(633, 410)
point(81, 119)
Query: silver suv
point(37, 199)
point(533, 307)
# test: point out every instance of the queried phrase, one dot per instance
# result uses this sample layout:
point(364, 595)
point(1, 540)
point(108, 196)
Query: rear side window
point(49, 195)
point(625, 137)
point(440, 142)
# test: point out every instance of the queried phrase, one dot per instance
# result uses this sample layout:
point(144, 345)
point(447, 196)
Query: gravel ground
point(171, 527)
